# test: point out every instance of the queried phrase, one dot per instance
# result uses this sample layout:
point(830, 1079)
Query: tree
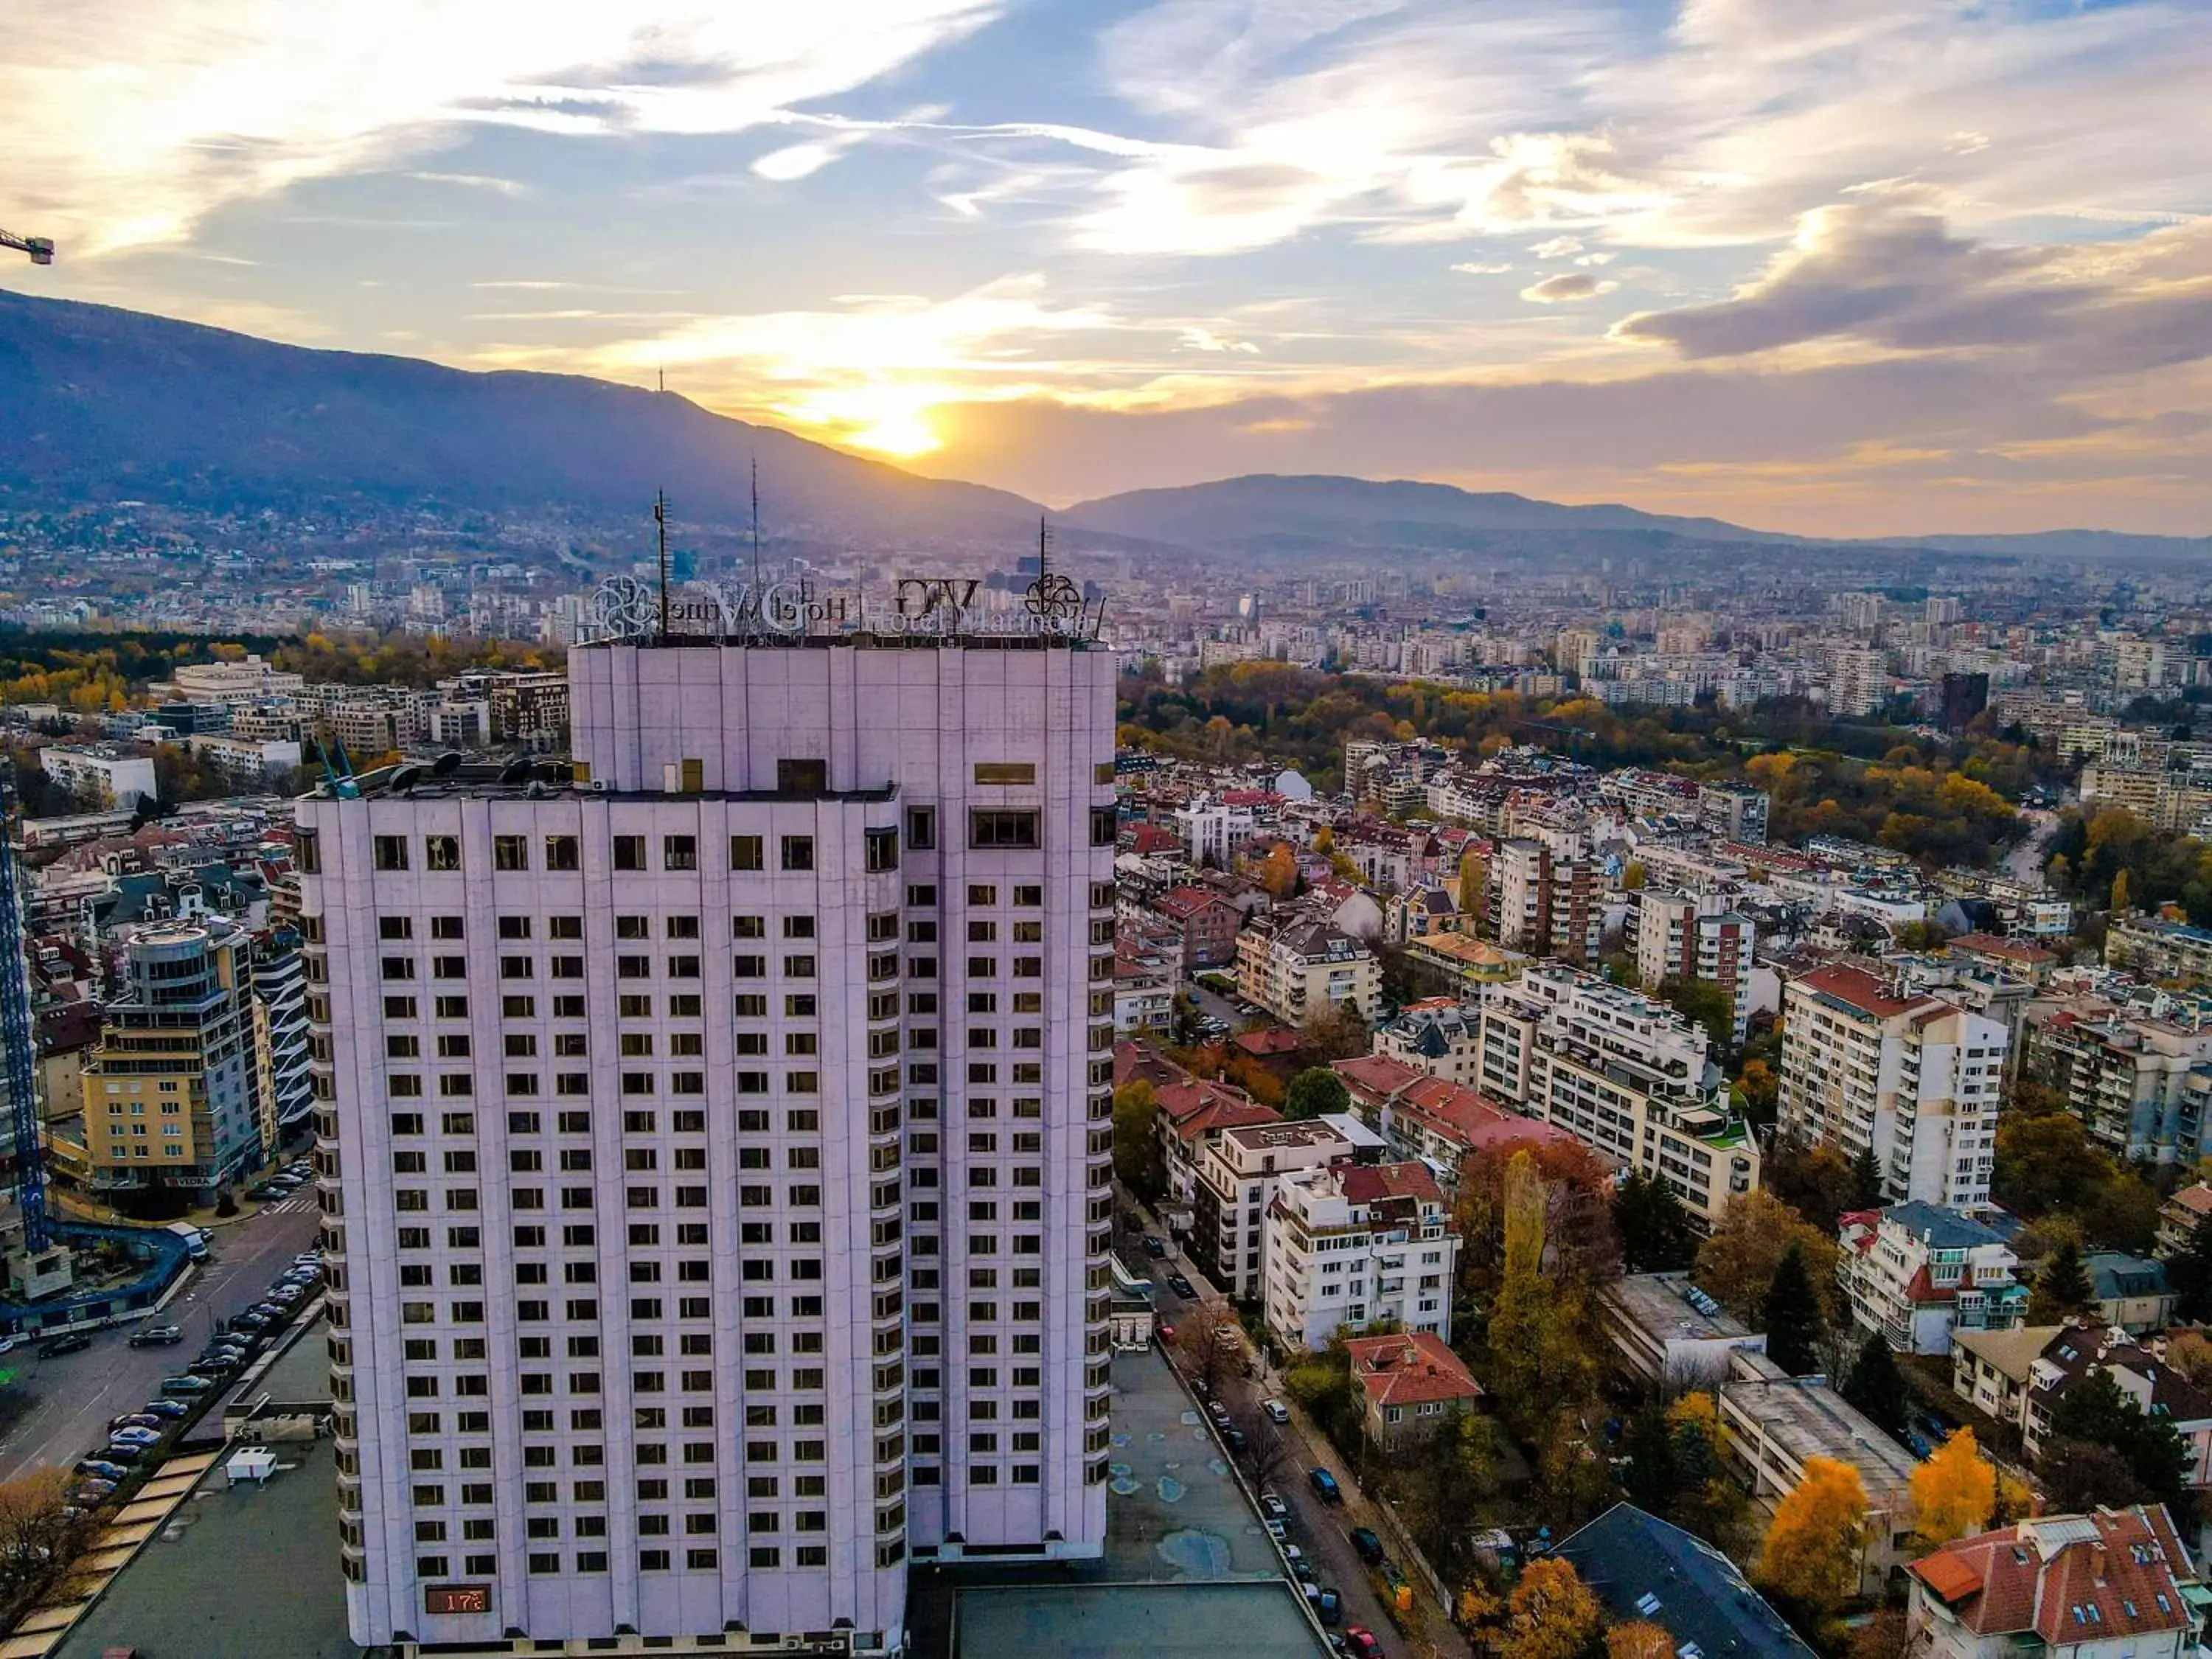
point(1737, 1261)
point(1280, 874)
point(1550, 1615)
point(1653, 1476)
point(1633, 877)
point(1876, 1386)
point(1882, 1636)
point(1139, 1162)
point(1656, 1234)
point(1817, 1182)
point(2092, 1409)
point(1866, 1181)
point(1580, 1245)
point(1761, 1090)
point(1811, 1556)
point(2078, 1476)
point(1540, 1359)
point(2044, 1160)
point(1705, 1003)
point(1638, 1639)
point(1338, 1032)
point(1792, 1312)
point(1205, 1340)
point(1474, 888)
point(1708, 1500)
point(1182, 1021)
point(2119, 902)
point(1954, 1491)
point(2062, 1287)
point(1315, 1092)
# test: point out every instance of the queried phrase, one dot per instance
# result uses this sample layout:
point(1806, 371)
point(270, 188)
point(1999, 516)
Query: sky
point(1837, 266)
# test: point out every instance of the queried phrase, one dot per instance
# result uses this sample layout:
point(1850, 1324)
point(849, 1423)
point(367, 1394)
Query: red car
point(1166, 1335)
point(1362, 1642)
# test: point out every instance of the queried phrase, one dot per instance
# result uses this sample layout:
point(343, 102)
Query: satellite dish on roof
point(403, 777)
point(447, 765)
point(515, 771)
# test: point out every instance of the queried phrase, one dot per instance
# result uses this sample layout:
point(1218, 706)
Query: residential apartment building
point(1214, 832)
point(109, 775)
point(171, 1093)
point(1685, 936)
point(2160, 950)
point(1912, 1078)
point(2111, 1583)
point(2124, 1076)
point(1208, 923)
point(1351, 1245)
point(2143, 1375)
point(1916, 1272)
point(1542, 902)
point(1299, 969)
point(282, 1049)
point(1237, 1170)
point(715, 1147)
point(1432, 1121)
point(1440, 1037)
point(1625, 1074)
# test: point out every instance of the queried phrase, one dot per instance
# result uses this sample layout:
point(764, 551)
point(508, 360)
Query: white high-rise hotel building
point(715, 1147)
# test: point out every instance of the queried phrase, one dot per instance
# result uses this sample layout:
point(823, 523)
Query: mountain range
point(109, 405)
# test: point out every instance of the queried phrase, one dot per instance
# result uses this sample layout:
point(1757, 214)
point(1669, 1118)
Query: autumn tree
point(1208, 1343)
point(1708, 1500)
point(1811, 1557)
point(2062, 1287)
point(2117, 904)
point(1338, 1032)
point(1315, 1092)
point(1540, 1359)
point(1473, 887)
point(1736, 1264)
point(1551, 1613)
point(1954, 1491)
point(1638, 1639)
point(1280, 874)
point(1580, 1242)
point(1139, 1164)
point(1876, 1386)
point(1818, 1181)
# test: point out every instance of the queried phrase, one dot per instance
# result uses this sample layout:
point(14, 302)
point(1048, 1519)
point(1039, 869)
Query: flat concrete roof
point(1807, 1418)
point(251, 1572)
point(1248, 1620)
point(1658, 1305)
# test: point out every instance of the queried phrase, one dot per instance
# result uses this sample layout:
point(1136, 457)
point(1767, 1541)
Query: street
point(74, 1396)
point(2025, 862)
point(1322, 1530)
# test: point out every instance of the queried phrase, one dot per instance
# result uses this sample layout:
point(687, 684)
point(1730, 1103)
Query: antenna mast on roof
point(1045, 544)
point(756, 576)
point(660, 527)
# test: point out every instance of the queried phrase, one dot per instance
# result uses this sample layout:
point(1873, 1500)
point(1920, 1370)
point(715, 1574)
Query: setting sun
point(884, 418)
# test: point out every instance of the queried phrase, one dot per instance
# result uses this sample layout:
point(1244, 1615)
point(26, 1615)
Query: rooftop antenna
point(756, 574)
point(660, 527)
point(663, 373)
point(1044, 542)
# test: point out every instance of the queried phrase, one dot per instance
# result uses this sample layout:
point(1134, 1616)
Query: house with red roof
point(1208, 923)
point(2014, 958)
point(2110, 1583)
point(1432, 1120)
point(1411, 1385)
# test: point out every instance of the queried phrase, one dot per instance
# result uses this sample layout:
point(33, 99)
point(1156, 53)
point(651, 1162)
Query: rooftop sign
point(625, 609)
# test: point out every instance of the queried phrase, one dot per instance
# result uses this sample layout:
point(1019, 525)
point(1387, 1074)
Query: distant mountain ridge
point(107, 404)
point(110, 405)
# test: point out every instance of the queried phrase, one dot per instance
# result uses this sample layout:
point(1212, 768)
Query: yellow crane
point(40, 248)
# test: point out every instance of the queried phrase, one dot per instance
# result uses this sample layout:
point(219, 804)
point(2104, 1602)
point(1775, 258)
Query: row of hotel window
point(989, 828)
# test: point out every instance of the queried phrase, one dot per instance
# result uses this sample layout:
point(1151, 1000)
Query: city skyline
point(1919, 269)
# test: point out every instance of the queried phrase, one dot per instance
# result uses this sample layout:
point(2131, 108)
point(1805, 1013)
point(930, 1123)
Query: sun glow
point(883, 418)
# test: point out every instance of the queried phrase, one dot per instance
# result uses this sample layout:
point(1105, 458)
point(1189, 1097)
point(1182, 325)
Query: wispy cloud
point(1566, 288)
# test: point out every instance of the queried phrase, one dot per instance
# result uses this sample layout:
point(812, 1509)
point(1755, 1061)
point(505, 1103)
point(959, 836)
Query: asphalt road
point(74, 1396)
point(1322, 1530)
point(2025, 862)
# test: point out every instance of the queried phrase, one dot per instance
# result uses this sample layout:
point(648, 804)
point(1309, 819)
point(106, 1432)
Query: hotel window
point(510, 852)
point(991, 828)
point(921, 828)
point(679, 853)
point(390, 852)
point(798, 852)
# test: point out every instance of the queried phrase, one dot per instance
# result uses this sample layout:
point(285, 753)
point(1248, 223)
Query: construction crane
point(40, 248)
point(17, 1048)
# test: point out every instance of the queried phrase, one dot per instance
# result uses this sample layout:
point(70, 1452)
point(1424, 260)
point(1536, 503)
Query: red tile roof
point(2069, 1578)
point(1274, 1040)
point(1377, 1074)
point(1861, 990)
point(1409, 1369)
point(2011, 949)
point(1370, 1183)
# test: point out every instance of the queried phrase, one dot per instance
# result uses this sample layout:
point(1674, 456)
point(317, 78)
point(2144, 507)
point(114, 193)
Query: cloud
point(1557, 247)
point(1566, 288)
point(1205, 339)
point(1472, 269)
point(206, 102)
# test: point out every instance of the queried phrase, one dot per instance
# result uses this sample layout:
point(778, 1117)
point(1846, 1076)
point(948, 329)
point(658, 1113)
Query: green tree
point(1794, 1321)
point(1655, 1232)
point(2188, 1271)
point(1876, 1386)
point(1183, 1017)
point(1653, 1477)
point(1866, 1181)
point(2062, 1287)
point(2093, 1410)
point(1315, 1092)
point(1139, 1165)
point(1707, 1003)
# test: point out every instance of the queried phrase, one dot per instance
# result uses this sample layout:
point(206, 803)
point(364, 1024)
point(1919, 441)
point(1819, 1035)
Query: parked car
point(1302, 1571)
point(1362, 1642)
point(1276, 1530)
point(1366, 1546)
point(120, 1452)
point(1324, 1486)
point(1218, 1412)
point(1154, 1247)
point(1327, 1604)
point(308, 1258)
point(134, 1420)
point(1273, 1507)
point(157, 1336)
point(186, 1384)
point(1292, 1555)
point(135, 1437)
point(1235, 1440)
point(263, 1192)
point(54, 1347)
point(249, 1320)
point(88, 1493)
point(1181, 1286)
point(101, 1468)
point(165, 1408)
point(1276, 1411)
point(1166, 1334)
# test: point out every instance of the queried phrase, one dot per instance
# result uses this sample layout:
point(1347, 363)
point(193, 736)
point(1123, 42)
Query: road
point(1322, 1530)
point(2025, 862)
point(75, 1396)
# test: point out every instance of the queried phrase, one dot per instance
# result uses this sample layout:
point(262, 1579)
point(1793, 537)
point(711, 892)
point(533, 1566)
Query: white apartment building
point(714, 1148)
point(1299, 969)
point(1236, 1171)
point(250, 679)
point(1212, 833)
point(1917, 1272)
point(1349, 1245)
point(118, 777)
point(1684, 936)
point(1910, 1076)
point(1625, 1074)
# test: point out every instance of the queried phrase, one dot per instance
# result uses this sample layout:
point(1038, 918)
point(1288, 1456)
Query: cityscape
point(938, 830)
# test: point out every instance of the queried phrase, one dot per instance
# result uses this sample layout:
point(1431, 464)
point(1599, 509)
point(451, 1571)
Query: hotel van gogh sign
point(738, 613)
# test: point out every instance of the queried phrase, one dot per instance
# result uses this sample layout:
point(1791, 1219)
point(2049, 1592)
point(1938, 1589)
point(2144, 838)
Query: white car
point(1276, 1411)
point(1274, 1528)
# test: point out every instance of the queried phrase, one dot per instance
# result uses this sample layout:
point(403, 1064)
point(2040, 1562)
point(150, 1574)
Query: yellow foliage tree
point(1811, 1556)
point(2119, 900)
point(1638, 1639)
point(1736, 1263)
point(1280, 874)
point(1954, 1491)
point(1551, 1613)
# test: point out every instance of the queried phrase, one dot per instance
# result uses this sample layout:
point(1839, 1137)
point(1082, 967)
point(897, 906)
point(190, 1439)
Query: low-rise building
point(1465, 961)
point(2132, 1294)
point(2180, 1216)
point(1208, 923)
point(1915, 1273)
point(2107, 1585)
point(1670, 1333)
point(1991, 1370)
point(1428, 1120)
point(1352, 1245)
point(1644, 1570)
point(109, 777)
point(1411, 1385)
point(1625, 1074)
point(2141, 1376)
point(1298, 969)
point(2014, 958)
point(1439, 1035)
